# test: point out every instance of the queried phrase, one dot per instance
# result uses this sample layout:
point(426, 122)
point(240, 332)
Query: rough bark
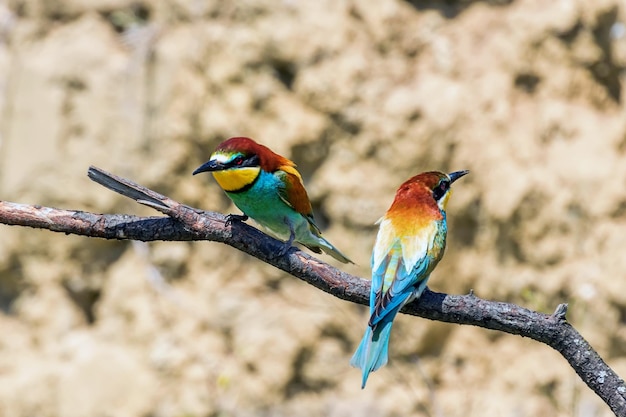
point(184, 223)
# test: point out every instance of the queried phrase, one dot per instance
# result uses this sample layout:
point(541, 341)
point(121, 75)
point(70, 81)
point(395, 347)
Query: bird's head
point(428, 188)
point(237, 162)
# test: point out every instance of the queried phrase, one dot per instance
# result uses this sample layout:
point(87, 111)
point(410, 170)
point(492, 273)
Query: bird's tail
point(329, 249)
point(372, 352)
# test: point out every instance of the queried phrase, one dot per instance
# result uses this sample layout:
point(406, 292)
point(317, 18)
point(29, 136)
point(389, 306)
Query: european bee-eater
point(268, 188)
point(411, 241)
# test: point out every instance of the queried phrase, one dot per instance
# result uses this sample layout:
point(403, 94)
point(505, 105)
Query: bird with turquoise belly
point(267, 187)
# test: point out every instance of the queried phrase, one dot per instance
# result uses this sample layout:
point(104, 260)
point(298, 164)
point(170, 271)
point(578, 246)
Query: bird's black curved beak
point(457, 174)
point(209, 166)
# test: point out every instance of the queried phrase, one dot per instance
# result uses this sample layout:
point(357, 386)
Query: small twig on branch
point(185, 223)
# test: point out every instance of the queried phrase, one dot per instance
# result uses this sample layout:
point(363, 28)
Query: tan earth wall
point(362, 95)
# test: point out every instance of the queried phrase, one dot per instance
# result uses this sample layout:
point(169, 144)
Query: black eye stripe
point(241, 161)
point(440, 189)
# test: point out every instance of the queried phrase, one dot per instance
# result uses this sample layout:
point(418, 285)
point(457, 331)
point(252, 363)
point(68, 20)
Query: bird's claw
point(288, 244)
point(235, 217)
point(284, 249)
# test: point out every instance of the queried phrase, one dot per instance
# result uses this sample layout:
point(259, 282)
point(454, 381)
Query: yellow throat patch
point(443, 202)
point(235, 179)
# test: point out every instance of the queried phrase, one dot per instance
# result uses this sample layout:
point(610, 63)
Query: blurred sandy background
point(526, 94)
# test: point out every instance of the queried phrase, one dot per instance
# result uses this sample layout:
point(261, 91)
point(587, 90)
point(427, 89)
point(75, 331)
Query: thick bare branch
point(186, 223)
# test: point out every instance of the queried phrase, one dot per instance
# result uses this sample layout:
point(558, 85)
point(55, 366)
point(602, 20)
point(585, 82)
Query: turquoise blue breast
point(262, 202)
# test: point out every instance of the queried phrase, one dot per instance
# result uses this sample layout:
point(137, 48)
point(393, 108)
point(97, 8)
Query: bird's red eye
point(238, 160)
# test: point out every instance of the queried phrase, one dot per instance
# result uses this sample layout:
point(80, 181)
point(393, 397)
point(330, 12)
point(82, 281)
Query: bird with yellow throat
point(267, 187)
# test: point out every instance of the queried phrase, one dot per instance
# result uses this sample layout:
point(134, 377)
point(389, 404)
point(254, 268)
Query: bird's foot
point(235, 217)
point(283, 250)
point(288, 244)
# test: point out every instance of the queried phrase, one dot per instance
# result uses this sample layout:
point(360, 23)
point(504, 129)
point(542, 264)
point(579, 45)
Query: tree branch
point(185, 223)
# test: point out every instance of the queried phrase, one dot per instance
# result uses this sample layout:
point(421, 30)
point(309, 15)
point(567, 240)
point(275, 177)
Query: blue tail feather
point(372, 352)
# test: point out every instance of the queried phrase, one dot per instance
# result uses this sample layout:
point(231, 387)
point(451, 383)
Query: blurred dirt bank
point(362, 95)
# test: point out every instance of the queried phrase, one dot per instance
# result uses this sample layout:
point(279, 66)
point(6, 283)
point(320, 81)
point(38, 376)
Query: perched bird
point(410, 242)
point(268, 188)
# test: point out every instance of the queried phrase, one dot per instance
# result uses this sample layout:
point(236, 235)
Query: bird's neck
point(236, 179)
